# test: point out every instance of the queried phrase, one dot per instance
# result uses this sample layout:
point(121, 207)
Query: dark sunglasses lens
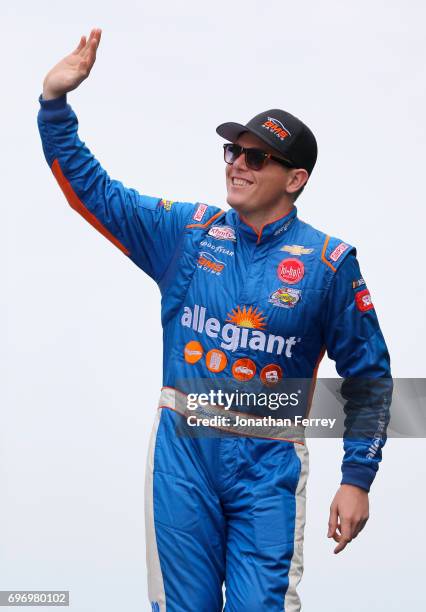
point(255, 158)
point(232, 151)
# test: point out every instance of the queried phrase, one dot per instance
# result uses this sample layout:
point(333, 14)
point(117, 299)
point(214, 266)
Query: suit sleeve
point(355, 342)
point(146, 229)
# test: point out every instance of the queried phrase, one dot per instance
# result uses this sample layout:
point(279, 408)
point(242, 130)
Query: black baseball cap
point(282, 131)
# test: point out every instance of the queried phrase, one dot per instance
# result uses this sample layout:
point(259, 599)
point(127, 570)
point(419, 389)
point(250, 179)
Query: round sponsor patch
point(193, 351)
point(243, 369)
point(363, 300)
point(271, 374)
point(291, 270)
point(216, 360)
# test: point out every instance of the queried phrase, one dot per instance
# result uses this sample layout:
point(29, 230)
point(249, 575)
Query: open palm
point(72, 69)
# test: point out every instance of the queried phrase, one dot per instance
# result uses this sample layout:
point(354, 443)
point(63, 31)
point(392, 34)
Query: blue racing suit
point(238, 304)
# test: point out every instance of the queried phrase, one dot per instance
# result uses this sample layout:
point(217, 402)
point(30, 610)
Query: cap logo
point(276, 127)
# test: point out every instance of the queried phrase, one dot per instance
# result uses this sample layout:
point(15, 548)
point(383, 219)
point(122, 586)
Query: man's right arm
point(146, 229)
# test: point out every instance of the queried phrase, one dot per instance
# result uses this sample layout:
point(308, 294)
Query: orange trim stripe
point(324, 248)
point(207, 223)
point(75, 203)
point(259, 233)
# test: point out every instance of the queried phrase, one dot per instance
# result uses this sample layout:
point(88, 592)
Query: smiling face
point(269, 189)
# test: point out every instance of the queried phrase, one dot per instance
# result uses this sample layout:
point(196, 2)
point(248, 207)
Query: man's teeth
point(241, 182)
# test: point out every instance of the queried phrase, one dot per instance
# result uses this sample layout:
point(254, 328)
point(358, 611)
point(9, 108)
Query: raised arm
point(146, 229)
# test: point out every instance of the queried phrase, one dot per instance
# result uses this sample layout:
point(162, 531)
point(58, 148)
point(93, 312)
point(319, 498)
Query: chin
point(238, 203)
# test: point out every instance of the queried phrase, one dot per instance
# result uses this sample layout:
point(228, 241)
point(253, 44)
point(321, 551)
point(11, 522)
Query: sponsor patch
point(271, 374)
point(358, 283)
point(291, 270)
point(166, 204)
point(207, 261)
point(363, 300)
point(296, 249)
point(216, 360)
point(285, 297)
point(338, 251)
point(193, 351)
point(243, 369)
point(199, 213)
point(276, 127)
point(217, 248)
point(222, 232)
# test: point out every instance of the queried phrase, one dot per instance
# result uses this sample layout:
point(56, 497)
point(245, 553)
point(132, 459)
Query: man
point(250, 295)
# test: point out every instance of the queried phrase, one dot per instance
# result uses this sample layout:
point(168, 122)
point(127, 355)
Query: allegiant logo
point(236, 336)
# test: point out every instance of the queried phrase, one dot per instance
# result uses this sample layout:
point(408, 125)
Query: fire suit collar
point(269, 231)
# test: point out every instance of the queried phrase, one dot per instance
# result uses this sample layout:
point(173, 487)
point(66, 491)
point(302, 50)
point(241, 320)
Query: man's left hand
point(348, 515)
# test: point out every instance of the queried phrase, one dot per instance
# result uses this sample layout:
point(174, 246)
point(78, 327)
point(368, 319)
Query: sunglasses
point(255, 158)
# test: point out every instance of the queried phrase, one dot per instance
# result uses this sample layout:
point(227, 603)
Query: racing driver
point(248, 293)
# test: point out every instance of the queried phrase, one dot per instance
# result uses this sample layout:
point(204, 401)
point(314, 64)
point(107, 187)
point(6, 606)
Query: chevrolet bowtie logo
point(296, 249)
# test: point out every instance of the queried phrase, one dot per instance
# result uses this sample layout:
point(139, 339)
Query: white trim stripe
point(156, 591)
point(292, 600)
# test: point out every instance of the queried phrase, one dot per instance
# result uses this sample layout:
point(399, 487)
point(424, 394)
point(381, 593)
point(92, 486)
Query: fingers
point(95, 35)
point(80, 45)
point(85, 45)
point(345, 531)
point(91, 56)
point(348, 515)
point(332, 521)
point(342, 545)
point(345, 537)
point(88, 51)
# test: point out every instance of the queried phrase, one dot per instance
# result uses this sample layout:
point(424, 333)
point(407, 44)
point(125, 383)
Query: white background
point(81, 349)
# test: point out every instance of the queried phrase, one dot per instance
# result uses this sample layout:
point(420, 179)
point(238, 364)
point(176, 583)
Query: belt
point(232, 421)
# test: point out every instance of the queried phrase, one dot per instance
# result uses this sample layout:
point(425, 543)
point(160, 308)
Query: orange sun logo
point(251, 317)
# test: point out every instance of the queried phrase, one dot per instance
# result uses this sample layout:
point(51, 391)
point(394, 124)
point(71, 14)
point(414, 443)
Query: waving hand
point(73, 69)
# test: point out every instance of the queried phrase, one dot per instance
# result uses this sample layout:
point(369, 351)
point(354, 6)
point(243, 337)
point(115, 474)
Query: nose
point(240, 162)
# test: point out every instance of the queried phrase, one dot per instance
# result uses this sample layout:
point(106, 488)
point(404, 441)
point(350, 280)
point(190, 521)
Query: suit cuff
point(55, 109)
point(358, 475)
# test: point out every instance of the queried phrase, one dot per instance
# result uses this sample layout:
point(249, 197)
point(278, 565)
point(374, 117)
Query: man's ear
point(299, 177)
